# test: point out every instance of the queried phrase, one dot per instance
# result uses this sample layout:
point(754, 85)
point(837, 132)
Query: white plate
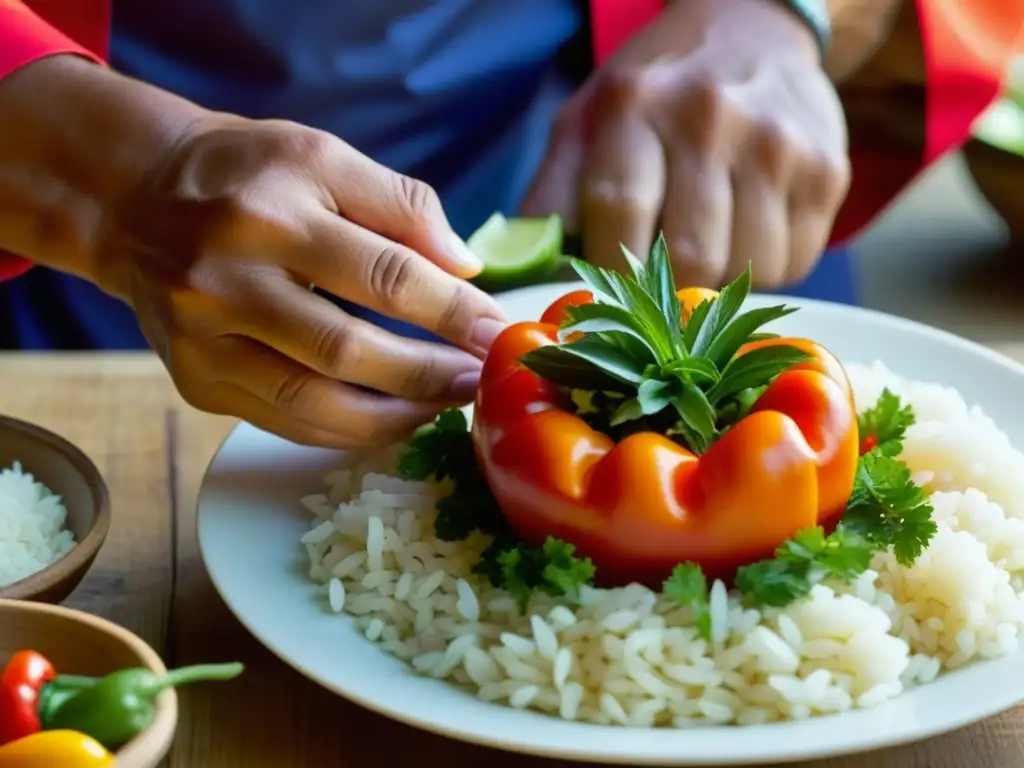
point(250, 523)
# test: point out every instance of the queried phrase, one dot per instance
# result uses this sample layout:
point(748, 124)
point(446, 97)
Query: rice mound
point(632, 657)
point(32, 526)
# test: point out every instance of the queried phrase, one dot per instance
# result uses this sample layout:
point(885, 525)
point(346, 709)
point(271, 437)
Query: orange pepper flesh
point(639, 507)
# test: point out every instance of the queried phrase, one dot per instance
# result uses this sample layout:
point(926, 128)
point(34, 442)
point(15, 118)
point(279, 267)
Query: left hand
point(716, 125)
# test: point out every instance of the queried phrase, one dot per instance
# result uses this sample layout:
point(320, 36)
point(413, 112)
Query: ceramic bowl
point(80, 644)
point(70, 474)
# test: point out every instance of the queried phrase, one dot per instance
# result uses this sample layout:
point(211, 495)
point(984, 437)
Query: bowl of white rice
point(54, 513)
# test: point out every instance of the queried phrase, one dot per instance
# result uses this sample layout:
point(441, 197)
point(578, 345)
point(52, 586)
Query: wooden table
point(122, 410)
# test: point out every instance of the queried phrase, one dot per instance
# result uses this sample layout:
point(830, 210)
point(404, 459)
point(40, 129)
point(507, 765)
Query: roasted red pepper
point(21, 687)
point(642, 505)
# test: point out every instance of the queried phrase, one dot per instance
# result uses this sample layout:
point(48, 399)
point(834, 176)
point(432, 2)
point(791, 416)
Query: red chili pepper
point(21, 686)
point(868, 444)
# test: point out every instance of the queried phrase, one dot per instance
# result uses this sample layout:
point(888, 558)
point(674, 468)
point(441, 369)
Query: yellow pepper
point(49, 749)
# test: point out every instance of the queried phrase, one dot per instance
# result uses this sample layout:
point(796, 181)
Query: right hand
point(215, 251)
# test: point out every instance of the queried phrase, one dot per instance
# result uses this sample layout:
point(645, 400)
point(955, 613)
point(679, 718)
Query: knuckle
point(693, 264)
point(393, 276)
point(420, 382)
point(456, 316)
point(828, 181)
point(704, 112)
point(290, 391)
point(603, 196)
point(297, 143)
point(418, 198)
point(622, 89)
point(774, 152)
point(338, 348)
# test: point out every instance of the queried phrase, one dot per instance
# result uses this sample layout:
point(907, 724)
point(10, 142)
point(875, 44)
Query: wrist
point(76, 141)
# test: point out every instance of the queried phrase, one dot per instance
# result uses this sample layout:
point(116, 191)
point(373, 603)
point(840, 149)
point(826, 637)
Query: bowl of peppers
point(77, 691)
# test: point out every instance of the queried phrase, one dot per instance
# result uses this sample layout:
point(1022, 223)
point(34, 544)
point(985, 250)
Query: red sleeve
point(25, 37)
point(967, 44)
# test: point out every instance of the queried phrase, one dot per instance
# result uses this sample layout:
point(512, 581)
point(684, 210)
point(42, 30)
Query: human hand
point(215, 253)
point(715, 125)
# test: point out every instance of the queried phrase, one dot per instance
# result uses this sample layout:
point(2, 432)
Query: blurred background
point(949, 252)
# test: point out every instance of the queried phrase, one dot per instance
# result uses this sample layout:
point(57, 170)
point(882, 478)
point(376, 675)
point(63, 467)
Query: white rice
point(632, 657)
point(32, 526)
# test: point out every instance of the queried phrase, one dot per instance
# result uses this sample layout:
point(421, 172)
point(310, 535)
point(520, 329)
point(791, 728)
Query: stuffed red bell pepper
point(649, 427)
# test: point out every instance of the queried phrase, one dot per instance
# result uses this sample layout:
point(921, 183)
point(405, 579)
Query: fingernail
point(461, 255)
point(464, 386)
point(485, 331)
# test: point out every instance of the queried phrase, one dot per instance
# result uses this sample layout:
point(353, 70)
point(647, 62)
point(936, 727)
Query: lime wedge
point(517, 252)
point(1002, 126)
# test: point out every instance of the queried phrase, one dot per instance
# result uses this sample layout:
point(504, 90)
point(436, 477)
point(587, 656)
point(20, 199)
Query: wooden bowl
point(79, 644)
point(999, 176)
point(70, 474)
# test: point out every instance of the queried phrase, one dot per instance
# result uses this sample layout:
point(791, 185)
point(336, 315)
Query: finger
point(759, 231)
point(623, 188)
point(817, 194)
point(355, 264)
point(808, 233)
point(299, 394)
point(697, 218)
point(556, 185)
point(312, 331)
point(399, 208)
point(231, 400)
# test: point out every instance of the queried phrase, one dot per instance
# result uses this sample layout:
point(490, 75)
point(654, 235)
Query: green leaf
point(727, 343)
point(699, 370)
point(612, 358)
point(688, 586)
point(596, 279)
point(697, 319)
point(755, 369)
point(654, 395)
point(887, 422)
point(628, 410)
point(522, 570)
point(661, 285)
point(803, 561)
point(888, 509)
point(635, 265)
point(563, 368)
point(697, 415)
point(609, 318)
point(723, 310)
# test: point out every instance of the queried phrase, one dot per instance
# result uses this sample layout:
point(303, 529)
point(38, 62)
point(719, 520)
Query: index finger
point(368, 269)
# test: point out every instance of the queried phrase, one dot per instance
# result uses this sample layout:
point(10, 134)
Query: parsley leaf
point(803, 561)
point(883, 426)
point(888, 509)
point(689, 587)
point(522, 570)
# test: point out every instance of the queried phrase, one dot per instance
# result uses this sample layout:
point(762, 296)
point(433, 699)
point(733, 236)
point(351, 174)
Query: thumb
point(556, 185)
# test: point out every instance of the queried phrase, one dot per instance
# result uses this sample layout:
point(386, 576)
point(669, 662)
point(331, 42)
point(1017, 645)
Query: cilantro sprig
point(680, 377)
point(886, 511)
point(443, 450)
point(883, 426)
point(688, 586)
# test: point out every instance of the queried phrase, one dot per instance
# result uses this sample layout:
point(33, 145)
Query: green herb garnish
point(689, 587)
point(680, 378)
point(444, 451)
point(883, 426)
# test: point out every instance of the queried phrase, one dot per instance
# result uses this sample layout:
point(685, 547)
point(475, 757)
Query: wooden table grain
point(153, 449)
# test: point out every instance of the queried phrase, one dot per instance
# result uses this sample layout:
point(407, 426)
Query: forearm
point(74, 140)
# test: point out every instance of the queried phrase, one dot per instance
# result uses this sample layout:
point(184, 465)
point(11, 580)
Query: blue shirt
point(459, 93)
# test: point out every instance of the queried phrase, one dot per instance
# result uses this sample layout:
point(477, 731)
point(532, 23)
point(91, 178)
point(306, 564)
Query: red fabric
point(26, 37)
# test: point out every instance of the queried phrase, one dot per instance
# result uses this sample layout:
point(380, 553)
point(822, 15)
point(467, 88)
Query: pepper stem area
point(194, 674)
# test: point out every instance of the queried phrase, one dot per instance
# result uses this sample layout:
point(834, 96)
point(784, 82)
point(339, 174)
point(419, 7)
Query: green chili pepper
point(115, 708)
